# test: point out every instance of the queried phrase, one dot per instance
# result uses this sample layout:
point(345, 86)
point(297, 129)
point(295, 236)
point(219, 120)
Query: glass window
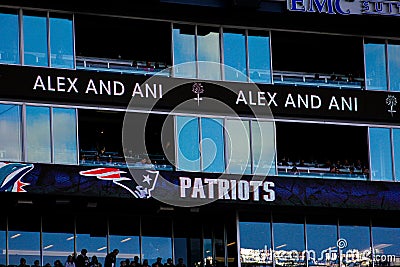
point(386, 242)
point(61, 43)
point(156, 241)
point(355, 242)
point(375, 66)
point(238, 146)
point(124, 235)
point(38, 144)
point(64, 136)
point(321, 241)
point(35, 40)
point(259, 57)
point(380, 154)
point(208, 50)
point(235, 55)
point(3, 238)
point(23, 238)
point(255, 243)
point(93, 239)
point(9, 32)
point(394, 66)
point(58, 238)
point(263, 147)
point(212, 145)
point(187, 132)
point(184, 51)
point(289, 242)
point(396, 153)
point(10, 132)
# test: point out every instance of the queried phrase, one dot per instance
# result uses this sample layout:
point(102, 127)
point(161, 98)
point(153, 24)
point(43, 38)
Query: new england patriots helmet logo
point(142, 190)
point(11, 176)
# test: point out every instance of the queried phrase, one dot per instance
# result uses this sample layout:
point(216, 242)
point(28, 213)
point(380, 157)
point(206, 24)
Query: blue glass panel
point(35, 41)
point(187, 129)
point(184, 51)
point(235, 56)
point(255, 243)
point(263, 147)
point(61, 43)
point(259, 58)
point(10, 132)
point(396, 152)
point(21, 245)
point(9, 45)
point(381, 154)
point(386, 242)
point(375, 66)
point(3, 239)
point(356, 238)
point(394, 66)
point(320, 238)
point(212, 145)
point(288, 237)
point(238, 144)
point(208, 49)
point(38, 146)
point(65, 136)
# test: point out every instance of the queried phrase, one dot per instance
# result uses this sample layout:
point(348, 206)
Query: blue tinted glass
point(238, 144)
point(38, 144)
point(64, 136)
point(288, 237)
point(375, 67)
point(184, 51)
point(61, 43)
point(263, 147)
point(156, 246)
point(259, 59)
point(319, 238)
point(23, 244)
point(3, 239)
point(35, 41)
point(9, 45)
point(357, 239)
point(235, 56)
point(212, 145)
point(394, 66)
point(381, 154)
point(10, 132)
point(396, 152)
point(255, 243)
point(386, 242)
point(208, 50)
point(188, 143)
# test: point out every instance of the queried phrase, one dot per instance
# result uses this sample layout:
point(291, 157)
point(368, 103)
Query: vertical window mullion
point(21, 38)
point(387, 66)
point(246, 38)
point(48, 39)
point(51, 135)
point(200, 145)
point(196, 51)
point(24, 156)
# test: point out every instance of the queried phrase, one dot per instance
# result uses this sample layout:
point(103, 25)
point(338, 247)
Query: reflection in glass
point(289, 244)
point(255, 243)
point(35, 41)
point(235, 55)
point(263, 147)
point(394, 66)
point(3, 239)
point(184, 51)
point(375, 66)
point(208, 50)
point(238, 143)
point(61, 43)
point(386, 243)
point(9, 32)
point(357, 251)
point(94, 239)
point(64, 136)
point(381, 154)
point(58, 238)
point(396, 152)
point(10, 122)
point(38, 144)
point(212, 145)
point(23, 238)
point(259, 57)
point(156, 240)
point(187, 129)
point(321, 244)
point(124, 235)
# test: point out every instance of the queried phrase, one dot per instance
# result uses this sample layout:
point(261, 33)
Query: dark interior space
point(321, 143)
point(121, 38)
point(317, 53)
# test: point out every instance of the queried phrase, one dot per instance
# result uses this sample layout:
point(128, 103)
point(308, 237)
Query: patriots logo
point(143, 190)
point(11, 176)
